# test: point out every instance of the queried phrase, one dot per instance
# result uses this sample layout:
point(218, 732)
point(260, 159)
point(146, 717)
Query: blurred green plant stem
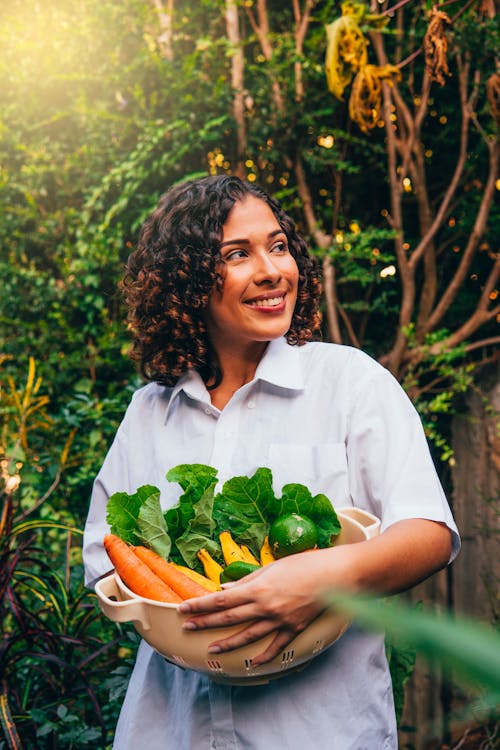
point(469, 648)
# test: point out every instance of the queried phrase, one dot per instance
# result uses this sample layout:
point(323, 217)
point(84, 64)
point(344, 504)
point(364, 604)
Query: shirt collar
point(192, 385)
point(279, 366)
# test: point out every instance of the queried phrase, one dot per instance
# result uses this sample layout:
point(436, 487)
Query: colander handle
point(370, 522)
point(127, 610)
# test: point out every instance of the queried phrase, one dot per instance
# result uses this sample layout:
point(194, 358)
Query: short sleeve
point(113, 474)
point(391, 471)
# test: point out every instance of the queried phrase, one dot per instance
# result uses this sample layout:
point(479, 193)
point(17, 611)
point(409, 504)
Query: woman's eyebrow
point(244, 241)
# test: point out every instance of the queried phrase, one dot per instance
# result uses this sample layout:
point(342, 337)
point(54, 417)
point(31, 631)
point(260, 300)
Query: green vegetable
point(237, 570)
point(245, 506)
point(291, 534)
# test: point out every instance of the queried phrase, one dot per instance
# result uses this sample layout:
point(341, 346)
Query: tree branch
point(237, 83)
point(407, 276)
point(330, 288)
point(476, 234)
point(492, 341)
point(301, 24)
point(479, 318)
point(321, 239)
point(261, 29)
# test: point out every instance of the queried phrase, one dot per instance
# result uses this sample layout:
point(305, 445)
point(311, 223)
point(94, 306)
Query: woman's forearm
point(405, 554)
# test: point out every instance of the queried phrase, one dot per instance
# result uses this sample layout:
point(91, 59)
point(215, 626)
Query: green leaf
point(152, 528)
point(469, 648)
point(195, 480)
point(243, 507)
point(189, 544)
point(199, 532)
point(123, 511)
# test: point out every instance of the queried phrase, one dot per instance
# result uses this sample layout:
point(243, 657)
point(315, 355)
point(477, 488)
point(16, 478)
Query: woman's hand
point(284, 596)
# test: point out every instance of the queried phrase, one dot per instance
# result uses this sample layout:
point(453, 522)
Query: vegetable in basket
point(205, 527)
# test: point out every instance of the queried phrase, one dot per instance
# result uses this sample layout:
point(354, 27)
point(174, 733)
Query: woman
point(223, 304)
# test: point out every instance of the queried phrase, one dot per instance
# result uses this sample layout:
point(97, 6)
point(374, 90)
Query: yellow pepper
point(210, 566)
point(248, 555)
point(207, 583)
point(230, 550)
point(266, 554)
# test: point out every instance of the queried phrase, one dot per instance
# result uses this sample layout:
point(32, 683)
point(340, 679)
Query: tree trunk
point(470, 587)
point(237, 82)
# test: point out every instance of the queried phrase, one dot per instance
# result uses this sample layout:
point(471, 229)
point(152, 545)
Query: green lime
point(237, 570)
point(291, 534)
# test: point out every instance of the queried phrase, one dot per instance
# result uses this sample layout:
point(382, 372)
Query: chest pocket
point(322, 468)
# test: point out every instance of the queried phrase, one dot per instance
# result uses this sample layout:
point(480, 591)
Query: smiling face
point(260, 279)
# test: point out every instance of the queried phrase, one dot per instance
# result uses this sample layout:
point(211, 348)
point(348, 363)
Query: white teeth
point(272, 302)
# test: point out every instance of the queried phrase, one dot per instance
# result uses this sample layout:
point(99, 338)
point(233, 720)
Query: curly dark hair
point(171, 273)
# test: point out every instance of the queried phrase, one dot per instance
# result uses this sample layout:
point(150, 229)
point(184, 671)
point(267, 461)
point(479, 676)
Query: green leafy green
point(151, 525)
point(123, 512)
point(200, 530)
point(245, 506)
point(194, 479)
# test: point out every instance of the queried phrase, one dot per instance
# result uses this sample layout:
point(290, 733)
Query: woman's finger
point(283, 638)
point(233, 596)
point(253, 632)
point(220, 618)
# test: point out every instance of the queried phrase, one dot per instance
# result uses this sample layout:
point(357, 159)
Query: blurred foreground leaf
point(468, 646)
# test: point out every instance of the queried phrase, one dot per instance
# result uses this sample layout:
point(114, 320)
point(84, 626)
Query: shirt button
point(251, 404)
point(208, 411)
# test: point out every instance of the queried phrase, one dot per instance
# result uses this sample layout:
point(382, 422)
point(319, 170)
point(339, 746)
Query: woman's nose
point(266, 269)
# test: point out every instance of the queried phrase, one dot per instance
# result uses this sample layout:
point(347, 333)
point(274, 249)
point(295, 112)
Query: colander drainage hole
point(287, 658)
point(179, 660)
point(318, 645)
point(214, 665)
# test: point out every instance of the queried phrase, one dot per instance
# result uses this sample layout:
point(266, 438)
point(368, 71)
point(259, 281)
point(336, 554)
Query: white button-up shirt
point(323, 415)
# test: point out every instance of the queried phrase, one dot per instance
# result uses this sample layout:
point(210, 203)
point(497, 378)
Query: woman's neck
point(237, 368)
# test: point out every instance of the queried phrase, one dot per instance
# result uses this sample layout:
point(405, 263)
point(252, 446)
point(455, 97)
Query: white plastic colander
point(160, 624)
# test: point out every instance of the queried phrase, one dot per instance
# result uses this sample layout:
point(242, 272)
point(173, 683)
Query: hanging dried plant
point(366, 94)
point(346, 53)
point(493, 93)
point(436, 46)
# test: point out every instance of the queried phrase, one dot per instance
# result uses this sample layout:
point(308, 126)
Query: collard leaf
point(244, 501)
point(194, 479)
point(188, 546)
point(152, 528)
point(295, 498)
point(123, 510)
point(199, 531)
point(328, 530)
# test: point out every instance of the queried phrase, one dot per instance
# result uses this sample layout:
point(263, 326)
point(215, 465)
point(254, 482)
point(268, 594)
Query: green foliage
point(434, 382)
point(56, 650)
point(401, 656)
point(471, 650)
point(97, 121)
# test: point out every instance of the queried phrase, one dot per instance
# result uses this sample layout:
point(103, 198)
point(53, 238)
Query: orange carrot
point(184, 586)
point(135, 574)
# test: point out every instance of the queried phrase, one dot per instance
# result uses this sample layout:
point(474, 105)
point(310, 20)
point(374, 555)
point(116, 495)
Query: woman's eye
point(235, 255)
point(279, 247)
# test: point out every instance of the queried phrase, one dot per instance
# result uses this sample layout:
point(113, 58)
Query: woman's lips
point(271, 304)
